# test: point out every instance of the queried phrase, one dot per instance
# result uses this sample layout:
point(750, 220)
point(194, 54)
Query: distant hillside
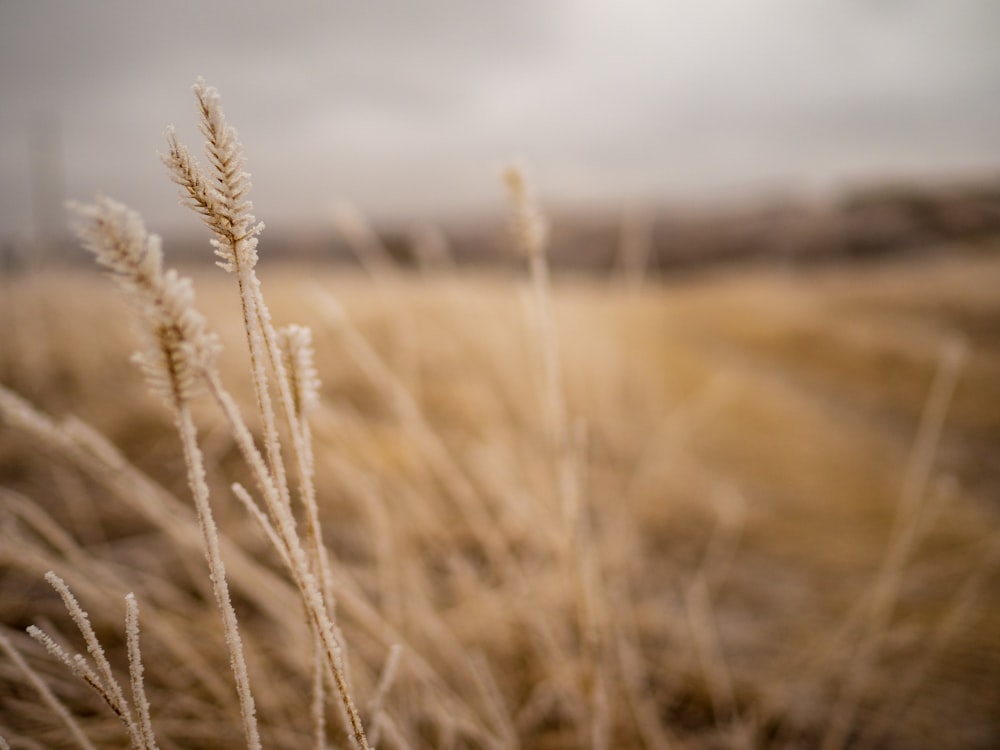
point(862, 224)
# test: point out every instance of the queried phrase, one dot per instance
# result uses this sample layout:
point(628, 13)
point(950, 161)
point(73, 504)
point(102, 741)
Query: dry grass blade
point(50, 699)
point(135, 668)
point(909, 516)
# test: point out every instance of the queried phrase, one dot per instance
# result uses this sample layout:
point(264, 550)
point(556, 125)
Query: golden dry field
point(768, 514)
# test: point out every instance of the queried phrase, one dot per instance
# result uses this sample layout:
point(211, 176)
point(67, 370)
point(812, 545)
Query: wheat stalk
point(178, 355)
point(223, 205)
point(531, 233)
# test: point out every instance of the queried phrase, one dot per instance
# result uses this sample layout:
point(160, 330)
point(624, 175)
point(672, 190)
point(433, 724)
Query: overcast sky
point(410, 107)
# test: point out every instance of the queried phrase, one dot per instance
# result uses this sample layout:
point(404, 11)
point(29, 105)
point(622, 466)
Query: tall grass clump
point(178, 357)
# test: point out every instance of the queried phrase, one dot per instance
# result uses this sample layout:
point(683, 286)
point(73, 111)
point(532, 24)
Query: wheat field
point(751, 510)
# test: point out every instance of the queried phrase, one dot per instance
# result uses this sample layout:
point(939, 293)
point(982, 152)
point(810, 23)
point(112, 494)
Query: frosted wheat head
point(236, 244)
point(298, 354)
point(218, 195)
point(531, 229)
point(176, 348)
point(197, 191)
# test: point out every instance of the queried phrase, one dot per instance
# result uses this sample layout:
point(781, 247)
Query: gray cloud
point(410, 108)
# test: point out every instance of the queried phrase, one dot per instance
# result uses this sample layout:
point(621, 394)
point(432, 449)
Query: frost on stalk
point(176, 348)
point(297, 352)
point(136, 670)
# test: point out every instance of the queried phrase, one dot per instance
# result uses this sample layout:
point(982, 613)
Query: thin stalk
point(199, 489)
